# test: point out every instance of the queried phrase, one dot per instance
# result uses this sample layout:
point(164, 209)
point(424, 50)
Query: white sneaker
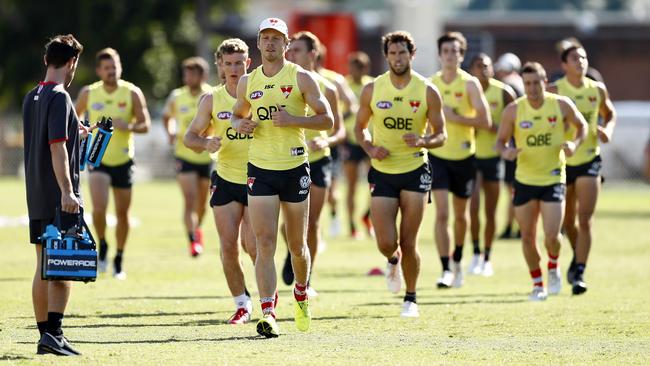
point(335, 227)
point(322, 246)
point(311, 293)
point(457, 269)
point(102, 266)
point(393, 277)
point(446, 279)
point(410, 310)
point(120, 276)
point(554, 281)
point(487, 270)
point(538, 294)
point(475, 266)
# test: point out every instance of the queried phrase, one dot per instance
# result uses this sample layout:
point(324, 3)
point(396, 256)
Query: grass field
point(172, 308)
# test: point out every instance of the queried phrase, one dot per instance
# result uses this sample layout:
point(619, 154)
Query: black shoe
point(103, 250)
point(579, 287)
point(287, 271)
point(57, 345)
point(506, 234)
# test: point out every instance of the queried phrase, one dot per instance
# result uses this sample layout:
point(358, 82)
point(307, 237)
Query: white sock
point(243, 301)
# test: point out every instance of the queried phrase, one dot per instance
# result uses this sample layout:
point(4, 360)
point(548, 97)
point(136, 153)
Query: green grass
point(172, 308)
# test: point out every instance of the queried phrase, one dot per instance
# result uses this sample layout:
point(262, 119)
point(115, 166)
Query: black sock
point(458, 253)
point(353, 227)
point(477, 247)
point(580, 270)
point(410, 296)
point(42, 327)
point(507, 231)
point(333, 212)
point(486, 254)
point(54, 322)
point(246, 292)
point(445, 263)
point(117, 262)
point(191, 236)
point(103, 249)
point(393, 260)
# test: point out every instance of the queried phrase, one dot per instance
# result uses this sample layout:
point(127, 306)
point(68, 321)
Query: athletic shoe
point(571, 273)
point(355, 235)
point(302, 315)
point(410, 310)
point(368, 224)
point(393, 277)
point(102, 266)
point(57, 345)
point(311, 293)
point(475, 266)
point(538, 294)
point(196, 248)
point(457, 269)
point(268, 327)
point(554, 281)
point(241, 316)
point(487, 270)
point(287, 270)
point(507, 234)
point(322, 246)
point(119, 275)
point(579, 287)
point(335, 227)
point(446, 279)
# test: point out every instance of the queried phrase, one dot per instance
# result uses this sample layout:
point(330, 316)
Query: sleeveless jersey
point(540, 135)
point(460, 142)
point(312, 134)
point(352, 119)
point(233, 154)
point(117, 105)
point(396, 112)
point(276, 148)
point(486, 140)
point(587, 99)
point(185, 108)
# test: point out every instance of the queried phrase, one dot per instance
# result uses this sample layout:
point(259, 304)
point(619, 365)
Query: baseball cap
point(275, 23)
point(508, 62)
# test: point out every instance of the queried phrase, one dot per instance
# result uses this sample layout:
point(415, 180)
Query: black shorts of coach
point(550, 193)
point(588, 169)
point(224, 192)
point(491, 169)
point(321, 172)
point(184, 166)
point(291, 185)
point(456, 176)
point(121, 175)
point(390, 185)
point(37, 226)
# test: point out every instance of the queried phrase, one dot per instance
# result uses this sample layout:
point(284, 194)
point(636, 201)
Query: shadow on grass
point(10, 357)
point(623, 214)
point(14, 279)
point(446, 294)
point(131, 315)
point(459, 302)
point(200, 297)
point(160, 341)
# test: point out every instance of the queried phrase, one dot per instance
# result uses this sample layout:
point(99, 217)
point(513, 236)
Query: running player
point(537, 122)
point(488, 164)
point(192, 169)
point(229, 201)
point(583, 168)
point(398, 105)
point(277, 94)
point(125, 104)
point(453, 164)
point(302, 51)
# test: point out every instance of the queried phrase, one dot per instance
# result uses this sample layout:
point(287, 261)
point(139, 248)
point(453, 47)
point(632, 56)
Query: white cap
point(508, 62)
point(275, 23)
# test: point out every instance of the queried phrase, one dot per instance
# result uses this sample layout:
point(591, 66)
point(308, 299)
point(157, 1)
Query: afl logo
point(97, 106)
point(224, 115)
point(184, 109)
point(384, 104)
point(256, 94)
point(525, 124)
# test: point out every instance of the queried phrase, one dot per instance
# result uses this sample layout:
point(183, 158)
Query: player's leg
point(247, 236)
point(587, 190)
point(526, 214)
point(491, 191)
point(552, 214)
point(384, 213)
point(203, 189)
point(351, 171)
point(412, 209)
point(98, 184)
point(122, 198)
point(461, 217)
point(441, 234)
point(317, 197)
point(189, 183)
point(475, 227)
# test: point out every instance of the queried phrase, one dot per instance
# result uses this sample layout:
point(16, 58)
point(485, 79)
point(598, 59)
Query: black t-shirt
point(48, 117)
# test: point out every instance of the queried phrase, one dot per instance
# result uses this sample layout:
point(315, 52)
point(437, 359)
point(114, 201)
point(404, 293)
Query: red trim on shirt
point(43, 83)
point(58, 140)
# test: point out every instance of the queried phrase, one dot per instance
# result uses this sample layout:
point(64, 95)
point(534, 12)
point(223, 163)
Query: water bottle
point(84, 148)
point(99, 144)
point(51, 237)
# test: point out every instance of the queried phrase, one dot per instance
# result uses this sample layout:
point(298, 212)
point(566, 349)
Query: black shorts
point(290, 185)
point(390, 185)
point(510, 166)
point(224, 192)
point(491, 169)
point(184, 166)
point(353, 152)
point(589, 169)
point(550, 193)
point(456, 176)
point(121, 175)
point(321, 172)
point(37, 227)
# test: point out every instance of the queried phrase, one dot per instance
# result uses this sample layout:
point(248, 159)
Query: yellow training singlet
point(233, 154)
point(396, 112)
point(312, 134)
point(276, 148)
point(460, 142)
point(352, 119)
point(539, 133)
point(587, 99)
point(486, 140)
point(185, 108)
point(117, 105)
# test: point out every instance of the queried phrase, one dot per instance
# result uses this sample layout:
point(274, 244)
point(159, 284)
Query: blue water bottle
point(51, 238)
point(100, 142)
point(84, 148)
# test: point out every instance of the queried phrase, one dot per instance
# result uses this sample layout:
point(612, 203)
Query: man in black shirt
point(51, 130)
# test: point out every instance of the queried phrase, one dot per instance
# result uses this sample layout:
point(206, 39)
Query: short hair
point(360, 59)
point(313, 43)
point(399, 37)
point(60, 49)
point(564, 56)
point(230, 46)
point(533, 68)
point(478, 57)
point(196, 64)
point(107, 53)
point(453, 36)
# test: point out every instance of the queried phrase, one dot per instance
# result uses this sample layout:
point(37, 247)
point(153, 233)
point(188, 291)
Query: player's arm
point(552, 88)
point(608, 114)
point(142, 118)
point(509, 96)
point(338, 132)
point(242, 109)
point(477, 99)
point(361, 125)
point(322, 118)
point(169, 111)
point(57, 137)
point(346, 95)
point(573, 116)
point(436, 121)
point(195, 137)
point(506, 129)
point(81, 106)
